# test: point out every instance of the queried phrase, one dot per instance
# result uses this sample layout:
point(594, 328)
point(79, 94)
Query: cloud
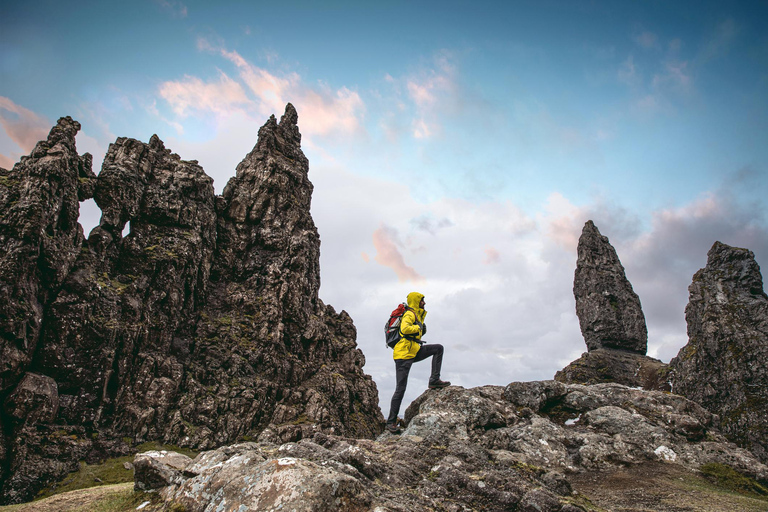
point(429, 94)
point(388, 255)
point(23, 126)
point(5, 162)
point(192, 94)
point(720, 41)
point(676, 75)
point(646, 39)
point(492, 256)
point(324, 111)
point(176, 8)
point(627, 72)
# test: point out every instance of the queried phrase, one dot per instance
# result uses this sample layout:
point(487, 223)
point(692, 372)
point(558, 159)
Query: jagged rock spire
point(609, 310)
point(723, 366)
point(201, 326)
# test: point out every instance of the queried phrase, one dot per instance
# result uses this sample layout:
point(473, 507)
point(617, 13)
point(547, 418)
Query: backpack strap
point(410, 337)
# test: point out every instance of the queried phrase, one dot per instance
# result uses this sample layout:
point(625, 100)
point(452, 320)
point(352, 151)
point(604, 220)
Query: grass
point(111, 471)
point(107, 498)
point(728, 478)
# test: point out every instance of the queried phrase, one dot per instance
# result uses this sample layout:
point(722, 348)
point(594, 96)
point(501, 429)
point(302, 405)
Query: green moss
point(111, 471)
point(8, 182)
point(728, 478)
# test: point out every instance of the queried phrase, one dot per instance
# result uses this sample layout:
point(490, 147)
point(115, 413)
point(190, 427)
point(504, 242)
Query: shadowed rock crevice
point(200, 327)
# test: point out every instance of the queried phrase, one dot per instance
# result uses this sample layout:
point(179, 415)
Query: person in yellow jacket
point(411, 349)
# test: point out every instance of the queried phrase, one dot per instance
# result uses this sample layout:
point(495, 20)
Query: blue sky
point(456, 148)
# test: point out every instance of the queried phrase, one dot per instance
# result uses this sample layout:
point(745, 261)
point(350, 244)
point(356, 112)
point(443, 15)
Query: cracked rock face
point(609, 310)
point(608, 365)
point(723, 366)
point(184, 317)
point(485, 448)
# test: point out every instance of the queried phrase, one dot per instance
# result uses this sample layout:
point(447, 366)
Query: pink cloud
point(193, 94)
point(492, 256)
point(323, 110)
point(5, 162)
point(387, 254)
point(23, 126)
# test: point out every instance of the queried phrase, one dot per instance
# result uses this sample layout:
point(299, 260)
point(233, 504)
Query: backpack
point(392, 327)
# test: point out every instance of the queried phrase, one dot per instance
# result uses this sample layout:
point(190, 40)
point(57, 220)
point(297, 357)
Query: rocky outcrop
point(723, 366)
point(609, 310)
point(608, 365)
point(486, 448)
point(611, 320)
point(40, 240)
point(185, 318)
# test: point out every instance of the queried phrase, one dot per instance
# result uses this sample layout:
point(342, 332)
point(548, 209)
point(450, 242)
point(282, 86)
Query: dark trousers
point(403, 368)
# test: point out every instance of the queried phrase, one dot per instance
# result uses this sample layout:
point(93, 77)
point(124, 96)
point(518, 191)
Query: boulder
point(724, 366)
point(609, 310)
point(159, 468)
point(620, 366)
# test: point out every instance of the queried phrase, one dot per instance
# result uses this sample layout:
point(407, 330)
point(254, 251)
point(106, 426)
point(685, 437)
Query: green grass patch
point(728, 478)
point(111, 471)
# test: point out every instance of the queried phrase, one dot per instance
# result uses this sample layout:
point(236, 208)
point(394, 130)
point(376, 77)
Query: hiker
point(411, 349)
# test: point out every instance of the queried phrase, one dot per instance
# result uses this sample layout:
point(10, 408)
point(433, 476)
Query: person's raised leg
point(434, 350)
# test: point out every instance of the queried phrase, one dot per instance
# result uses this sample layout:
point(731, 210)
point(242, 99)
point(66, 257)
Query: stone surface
point(486, 448)
point(34, 400)
point(723, 366)
point(184, 317)
point(156, 469)
point(609, 310)
point(622, 367)
point(40, 239)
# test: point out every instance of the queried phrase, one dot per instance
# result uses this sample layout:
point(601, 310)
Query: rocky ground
point(531, 446)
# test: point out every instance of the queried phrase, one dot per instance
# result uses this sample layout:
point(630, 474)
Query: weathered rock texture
point(486, 448)
point(723, 366)
point(611, 320)
point(201, 326)
point(609, 365)
point(609, 310)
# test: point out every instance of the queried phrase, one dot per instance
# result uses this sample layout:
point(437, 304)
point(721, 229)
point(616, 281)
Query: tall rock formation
point(611, 320)
point(201, 326)
point(609, 310)
point(723, 366)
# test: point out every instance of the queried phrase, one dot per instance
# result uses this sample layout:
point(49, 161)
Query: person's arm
point(408, 325)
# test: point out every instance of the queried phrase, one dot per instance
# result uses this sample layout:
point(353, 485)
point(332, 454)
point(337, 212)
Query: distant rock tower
point(609, 310)
point(723, 366)
point(611, 320)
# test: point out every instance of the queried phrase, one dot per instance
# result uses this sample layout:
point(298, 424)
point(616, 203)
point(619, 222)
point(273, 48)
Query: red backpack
point(392, 327)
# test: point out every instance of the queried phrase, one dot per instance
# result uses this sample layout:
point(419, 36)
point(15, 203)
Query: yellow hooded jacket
point(411, 325)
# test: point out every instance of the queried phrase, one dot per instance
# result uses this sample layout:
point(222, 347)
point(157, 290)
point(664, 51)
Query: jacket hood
point(414, 299)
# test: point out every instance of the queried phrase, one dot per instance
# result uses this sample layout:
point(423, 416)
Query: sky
point(456, 148)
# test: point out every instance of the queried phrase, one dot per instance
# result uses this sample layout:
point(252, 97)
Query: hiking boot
point(439, 384)
point(392, 428)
